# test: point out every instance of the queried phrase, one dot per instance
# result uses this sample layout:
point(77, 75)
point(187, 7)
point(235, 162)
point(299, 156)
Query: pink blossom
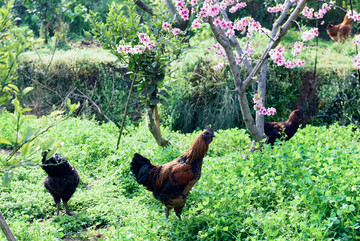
point(357, 40)
point(195, 24)
point(237, 6)
point(213, 11)
point(271, 111)
point(193, 2)
point(297, 48)
point(217, 21)
point(356, 62)
point(307, 35)
point(166, 26)
point(354, 15)
point(180, 4)
point(176, 31)
point(299, 62)
point(289, 64)
point(277, 8)
point(262, 110)
point(223, 24)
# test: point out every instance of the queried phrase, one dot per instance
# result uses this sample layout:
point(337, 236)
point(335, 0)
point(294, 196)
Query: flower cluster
point(137, 49)
point(324, 9)
point(308, 12)
point(277, 56)
point(297, 48)
point(258, 106)
point(277, 8)
point(166, 26)
point(357, 40)
point(354, 15)
point(310, 34)
point(183, 11)
point(356, 62)
point(237, 6)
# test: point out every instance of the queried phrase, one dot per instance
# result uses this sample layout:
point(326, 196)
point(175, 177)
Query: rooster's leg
point(166, 212)
point(57, 208)
point(67, 209)
point(178, 212)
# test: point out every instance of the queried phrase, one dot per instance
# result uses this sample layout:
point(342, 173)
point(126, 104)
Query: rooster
point(62, 179)
point(287, 129)
point(339, 33)
point(170, 183)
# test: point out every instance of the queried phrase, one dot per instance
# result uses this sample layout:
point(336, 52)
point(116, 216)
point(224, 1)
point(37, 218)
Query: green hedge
point(106, 84)
point(203, 97)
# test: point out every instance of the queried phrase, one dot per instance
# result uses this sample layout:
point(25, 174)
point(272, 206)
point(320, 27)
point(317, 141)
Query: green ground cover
point(307, 188)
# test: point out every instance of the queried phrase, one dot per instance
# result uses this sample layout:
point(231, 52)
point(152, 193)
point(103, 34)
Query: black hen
point(62, 179)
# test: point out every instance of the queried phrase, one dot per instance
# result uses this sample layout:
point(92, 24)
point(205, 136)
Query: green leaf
point(29, 134)
point(50, 154)
point(25, 110)
point(27, 89)
point(5, 141)
point(56, 113)
point(14, 87)
point(154, 101)
point(43, 121)
point(6, 178)
point(25, 148)
point(73, 107)
point(164, 102)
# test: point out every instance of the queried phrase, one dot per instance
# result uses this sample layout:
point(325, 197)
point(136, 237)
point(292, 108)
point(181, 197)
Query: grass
point(306, 188)
point(93, 55)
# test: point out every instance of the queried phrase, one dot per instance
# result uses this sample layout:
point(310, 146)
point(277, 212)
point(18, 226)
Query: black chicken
point(62, 179)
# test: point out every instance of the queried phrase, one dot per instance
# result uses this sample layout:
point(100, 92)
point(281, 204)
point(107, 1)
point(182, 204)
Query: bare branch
point(225, 43)
point(144, 7)
point(97, 107)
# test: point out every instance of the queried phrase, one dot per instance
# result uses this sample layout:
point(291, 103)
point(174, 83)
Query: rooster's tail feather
point(140, 168)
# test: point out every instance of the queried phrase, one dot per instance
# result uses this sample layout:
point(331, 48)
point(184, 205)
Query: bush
point(106, 84)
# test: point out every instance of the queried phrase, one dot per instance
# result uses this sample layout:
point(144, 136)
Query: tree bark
point(5, 228)
point(178, 21)
point(153, 128)
point(157, 120)
point(144, 7)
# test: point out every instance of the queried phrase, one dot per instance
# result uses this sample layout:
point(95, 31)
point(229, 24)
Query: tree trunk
point(5, 228)
point(157, 121)
point(261, 88)
point(154, 129)
point(45, 29)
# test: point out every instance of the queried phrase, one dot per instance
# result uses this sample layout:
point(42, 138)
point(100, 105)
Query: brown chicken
point(170, 183)
point(285, 129)
point(339, 32)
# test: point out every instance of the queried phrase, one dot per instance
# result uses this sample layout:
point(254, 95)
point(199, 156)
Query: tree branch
point(97, 108)
point(144, 7)
point(5, 228)
point(234, 42)
point(273, 43)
